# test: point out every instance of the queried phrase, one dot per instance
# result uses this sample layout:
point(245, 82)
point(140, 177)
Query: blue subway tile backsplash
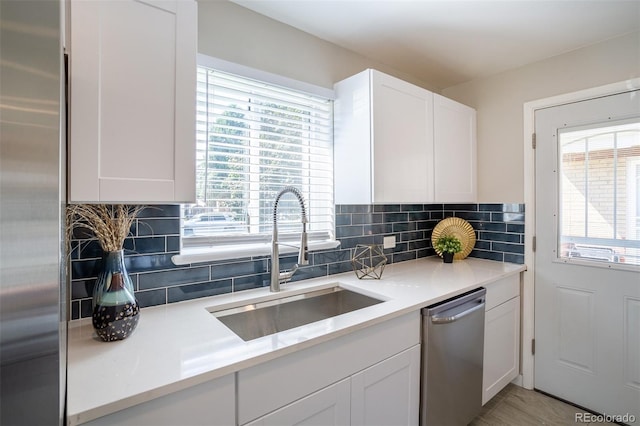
point(156, 238)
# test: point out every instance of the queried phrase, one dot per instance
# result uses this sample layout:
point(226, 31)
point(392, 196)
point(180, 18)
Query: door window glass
point(599, 188)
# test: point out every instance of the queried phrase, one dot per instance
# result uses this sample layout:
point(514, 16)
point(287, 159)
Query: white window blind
point(254, 139)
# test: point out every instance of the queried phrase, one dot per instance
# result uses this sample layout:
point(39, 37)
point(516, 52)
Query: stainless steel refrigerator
point(33, 308)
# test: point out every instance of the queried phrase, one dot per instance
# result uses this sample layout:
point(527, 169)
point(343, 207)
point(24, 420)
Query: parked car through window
point(213, 223)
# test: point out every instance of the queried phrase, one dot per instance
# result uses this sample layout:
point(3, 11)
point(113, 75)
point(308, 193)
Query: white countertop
point(181, 344)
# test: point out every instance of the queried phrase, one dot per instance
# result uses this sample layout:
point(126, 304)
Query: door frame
point(526, 379)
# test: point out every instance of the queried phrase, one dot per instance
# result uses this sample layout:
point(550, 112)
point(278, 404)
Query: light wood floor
point(518, 406)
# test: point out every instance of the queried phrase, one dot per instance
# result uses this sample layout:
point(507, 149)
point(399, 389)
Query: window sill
point(210, 254)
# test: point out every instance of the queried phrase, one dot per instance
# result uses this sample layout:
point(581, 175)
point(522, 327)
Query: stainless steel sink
point(272, 316)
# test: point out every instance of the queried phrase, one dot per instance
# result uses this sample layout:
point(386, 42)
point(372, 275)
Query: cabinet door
point(132, 101)
point(210, 403)
point(329, 406)
point(402, 154)
point(352, 140)
point(388, 393)
point(501, 347)
point(314, 368)
point(455, 151)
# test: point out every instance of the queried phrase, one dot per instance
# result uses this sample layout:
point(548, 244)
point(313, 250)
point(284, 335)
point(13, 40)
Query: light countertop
point(179, 345)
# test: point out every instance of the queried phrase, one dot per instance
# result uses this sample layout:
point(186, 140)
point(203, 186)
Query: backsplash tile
point(147, 281)
point(156, 238)
point(152, 297)
point(195, 291)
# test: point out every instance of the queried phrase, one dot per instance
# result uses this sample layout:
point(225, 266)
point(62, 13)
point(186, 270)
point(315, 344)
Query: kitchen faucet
point(278, 277)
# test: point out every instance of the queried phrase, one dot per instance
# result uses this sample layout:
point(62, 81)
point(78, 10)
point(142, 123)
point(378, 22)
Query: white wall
point(230, 32)
point(233, 33)
point(499, 101)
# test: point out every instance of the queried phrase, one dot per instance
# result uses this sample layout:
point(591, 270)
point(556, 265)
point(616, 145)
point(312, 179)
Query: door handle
point(435, 319)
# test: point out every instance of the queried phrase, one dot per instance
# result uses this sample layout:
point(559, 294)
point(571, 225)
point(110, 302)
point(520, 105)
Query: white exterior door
point(587, 279)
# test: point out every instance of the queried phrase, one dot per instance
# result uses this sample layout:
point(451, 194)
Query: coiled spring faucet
point(278, 277)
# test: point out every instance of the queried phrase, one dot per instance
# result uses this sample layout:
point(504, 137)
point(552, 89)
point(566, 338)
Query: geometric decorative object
point(368, 261)
point(459, 228)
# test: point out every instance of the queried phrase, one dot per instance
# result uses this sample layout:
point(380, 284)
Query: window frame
point(214, 248)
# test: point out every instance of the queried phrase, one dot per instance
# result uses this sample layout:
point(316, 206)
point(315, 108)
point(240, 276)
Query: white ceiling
point(446, 42)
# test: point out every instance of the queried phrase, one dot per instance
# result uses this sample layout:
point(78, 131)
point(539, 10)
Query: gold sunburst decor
point(459, 228)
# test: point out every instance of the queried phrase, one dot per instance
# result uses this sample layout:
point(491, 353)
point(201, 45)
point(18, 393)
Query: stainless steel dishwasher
point(452, 350)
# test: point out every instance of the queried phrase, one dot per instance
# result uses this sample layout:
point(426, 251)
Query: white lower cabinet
point(370, 376)
point(501, 362)
point(379, 365)
point(384, 394)
point(327, 407)
point(388, 393)
point(210, 403)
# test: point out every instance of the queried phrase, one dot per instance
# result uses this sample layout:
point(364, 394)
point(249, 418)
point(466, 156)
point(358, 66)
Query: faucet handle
point(283, 277)
point(303, 255)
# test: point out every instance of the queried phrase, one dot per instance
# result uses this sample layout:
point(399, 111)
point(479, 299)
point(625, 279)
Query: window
point(599, 193)
point(254, 139)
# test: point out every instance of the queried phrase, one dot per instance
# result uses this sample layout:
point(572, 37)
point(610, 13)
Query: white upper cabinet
point(455, 151)
point(132, 101)
point(399, 143)
point(383, 140)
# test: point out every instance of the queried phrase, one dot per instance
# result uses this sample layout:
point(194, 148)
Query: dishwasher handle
point(437, 319)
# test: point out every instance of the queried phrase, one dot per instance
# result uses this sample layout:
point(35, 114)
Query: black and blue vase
point(115, 309)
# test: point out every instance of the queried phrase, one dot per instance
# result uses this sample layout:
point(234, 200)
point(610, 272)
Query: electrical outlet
point(389, 242)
